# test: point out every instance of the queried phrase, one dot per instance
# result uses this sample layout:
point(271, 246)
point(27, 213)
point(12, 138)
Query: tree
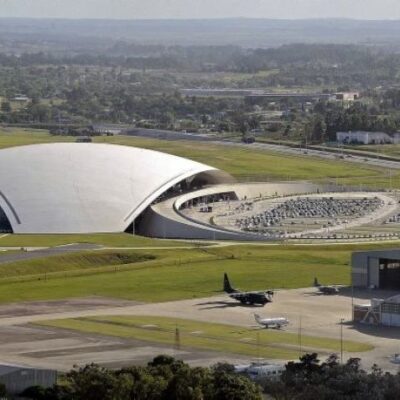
point(5, 106)
point(89, 382)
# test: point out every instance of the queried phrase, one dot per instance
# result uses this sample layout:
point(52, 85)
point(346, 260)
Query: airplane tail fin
point(227, 285)
point(316, 283)
point(257, 318)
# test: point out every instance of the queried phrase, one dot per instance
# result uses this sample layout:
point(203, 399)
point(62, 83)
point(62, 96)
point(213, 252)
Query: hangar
point(376, 269)
point(88, 187)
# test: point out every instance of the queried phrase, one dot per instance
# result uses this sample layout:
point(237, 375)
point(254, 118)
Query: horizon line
point(203, 19)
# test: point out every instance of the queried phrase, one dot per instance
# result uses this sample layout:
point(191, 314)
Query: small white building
point(347, 96)
point(21, 98)
point(364, 137)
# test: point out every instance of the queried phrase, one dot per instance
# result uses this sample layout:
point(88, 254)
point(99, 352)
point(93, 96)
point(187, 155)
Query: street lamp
point(341, 340)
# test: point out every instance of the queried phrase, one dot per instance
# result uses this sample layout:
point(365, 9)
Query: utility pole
point(299, 337)
point(341, 340)
point(177, 338)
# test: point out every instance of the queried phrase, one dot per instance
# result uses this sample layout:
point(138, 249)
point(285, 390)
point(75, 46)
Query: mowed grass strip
point(207, 336)
point(245, 161)
point(186, 273)
point(11, 137)
point(106, 239)
point(71, 262)
point(180, 274)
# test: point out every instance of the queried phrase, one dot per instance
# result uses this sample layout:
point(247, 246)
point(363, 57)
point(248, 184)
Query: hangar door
point(389, 274)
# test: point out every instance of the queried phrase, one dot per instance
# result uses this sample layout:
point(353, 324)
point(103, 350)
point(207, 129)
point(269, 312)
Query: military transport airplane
point(252, 298)
point(331, 289)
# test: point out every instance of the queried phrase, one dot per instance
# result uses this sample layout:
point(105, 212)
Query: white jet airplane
point(276, 323)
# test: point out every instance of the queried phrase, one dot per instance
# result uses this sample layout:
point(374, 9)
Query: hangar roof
point(87, 187)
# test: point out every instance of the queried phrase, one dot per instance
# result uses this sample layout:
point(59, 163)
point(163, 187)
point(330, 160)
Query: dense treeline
point(298, 64)
point(309, 379)
point(165, 378)
point(162, 379)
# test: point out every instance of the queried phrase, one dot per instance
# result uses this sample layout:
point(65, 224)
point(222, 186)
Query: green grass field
point(246, 162)
point(253, 342)
point(176, 274)
point(76, 262)
point(10, 137)
point(106, 239)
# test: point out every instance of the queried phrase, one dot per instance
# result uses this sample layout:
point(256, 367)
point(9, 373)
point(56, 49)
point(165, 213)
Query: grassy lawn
point(392, 150)
point(10, 137)
point(76, 262)
point(245, 162)
point(225, 338)
point(106, 239)
point(174, 274)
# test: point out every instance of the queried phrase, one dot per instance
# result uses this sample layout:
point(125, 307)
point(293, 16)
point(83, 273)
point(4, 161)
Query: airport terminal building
point(89, 188)
point(79, 188)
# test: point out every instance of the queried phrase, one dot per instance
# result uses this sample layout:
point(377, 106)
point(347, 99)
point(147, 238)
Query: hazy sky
point(134, 9)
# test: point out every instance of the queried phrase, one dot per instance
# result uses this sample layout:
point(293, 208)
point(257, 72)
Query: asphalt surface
point(308, 312)
point(47, 252)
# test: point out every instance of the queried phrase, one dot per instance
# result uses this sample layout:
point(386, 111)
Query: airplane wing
point(263, 292)
point(238, 296)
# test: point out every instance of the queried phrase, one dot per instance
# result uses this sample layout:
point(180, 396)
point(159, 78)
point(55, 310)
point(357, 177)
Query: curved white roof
point(86, 187)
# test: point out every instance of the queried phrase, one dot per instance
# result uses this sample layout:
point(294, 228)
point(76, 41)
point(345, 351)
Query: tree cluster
point(164, 378)
point(329, 118)
point(309, 379)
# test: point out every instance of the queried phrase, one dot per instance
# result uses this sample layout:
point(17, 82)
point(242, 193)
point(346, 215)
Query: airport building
point(88, 188)
point(66, 188)
point(376, 269)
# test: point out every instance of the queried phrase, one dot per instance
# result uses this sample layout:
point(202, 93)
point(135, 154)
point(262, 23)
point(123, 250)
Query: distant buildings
point(347, 96)
point(21, 98)
point(364, 137)
point(108, 129)
point(260, 93)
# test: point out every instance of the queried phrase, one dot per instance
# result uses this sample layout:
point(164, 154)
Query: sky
point(184, 9)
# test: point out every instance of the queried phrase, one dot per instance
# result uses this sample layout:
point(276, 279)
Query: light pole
point(299, 337)
point(341, 340)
